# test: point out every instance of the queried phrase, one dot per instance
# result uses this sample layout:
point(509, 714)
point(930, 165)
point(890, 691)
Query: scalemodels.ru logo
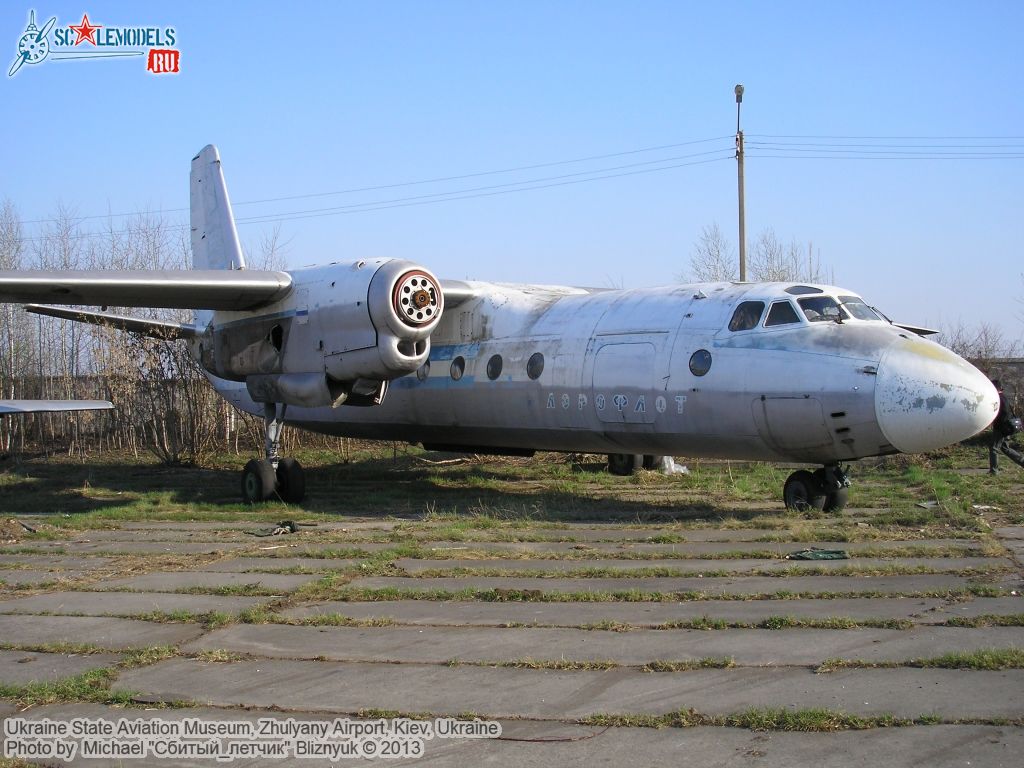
point(89, 40)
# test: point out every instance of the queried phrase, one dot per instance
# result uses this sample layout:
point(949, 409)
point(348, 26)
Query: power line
point(466, 194)
point(785, 144)
point(888, 157)
point(510, 184)
point(498, 192)
point(434, 180)
point(886, 138)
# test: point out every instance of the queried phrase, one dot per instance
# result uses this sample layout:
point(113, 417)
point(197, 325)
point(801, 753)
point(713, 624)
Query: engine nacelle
point(405, 304)
point(341, 334)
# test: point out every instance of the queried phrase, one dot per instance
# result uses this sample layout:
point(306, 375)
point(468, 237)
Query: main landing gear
point(624, 464)
point(826, 489)
point(273, 477)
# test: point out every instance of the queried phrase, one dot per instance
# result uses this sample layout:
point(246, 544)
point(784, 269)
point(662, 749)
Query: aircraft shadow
point(404, 486)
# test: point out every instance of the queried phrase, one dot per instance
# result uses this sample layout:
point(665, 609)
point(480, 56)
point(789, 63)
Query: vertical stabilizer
point(214, 237)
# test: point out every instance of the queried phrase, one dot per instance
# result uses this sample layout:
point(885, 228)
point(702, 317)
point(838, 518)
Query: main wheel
point(835, 500)
point(258, 481)
point(291, 481)
point(621, 463)
point(803, 492)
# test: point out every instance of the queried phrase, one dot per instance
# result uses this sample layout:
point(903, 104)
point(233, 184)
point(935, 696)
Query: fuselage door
point(624, 383)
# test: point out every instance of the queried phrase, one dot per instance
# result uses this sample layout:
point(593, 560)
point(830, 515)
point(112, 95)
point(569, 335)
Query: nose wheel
point(826, 489)
point(273, 477)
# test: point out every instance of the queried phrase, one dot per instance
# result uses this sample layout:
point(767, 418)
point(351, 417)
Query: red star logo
point(86, 32)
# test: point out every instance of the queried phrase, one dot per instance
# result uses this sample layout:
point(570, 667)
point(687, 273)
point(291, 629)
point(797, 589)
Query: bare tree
point(713, 258)
point(773, 262)
point(982, 344)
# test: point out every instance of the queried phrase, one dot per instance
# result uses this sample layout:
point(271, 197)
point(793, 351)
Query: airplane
point(380, 348)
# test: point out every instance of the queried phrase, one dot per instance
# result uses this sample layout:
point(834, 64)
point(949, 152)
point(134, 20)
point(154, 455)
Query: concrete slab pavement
point(550, 694)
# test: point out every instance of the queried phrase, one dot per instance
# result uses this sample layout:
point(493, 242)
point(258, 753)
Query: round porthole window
point(494, 367)
point(423, 372)
point(535, 365)
point(700, 362)
point(458, 367)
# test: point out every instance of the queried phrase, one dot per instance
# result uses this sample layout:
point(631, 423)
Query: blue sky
point(320, 97)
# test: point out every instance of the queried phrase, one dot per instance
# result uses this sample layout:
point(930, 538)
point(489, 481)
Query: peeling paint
point(935, 402)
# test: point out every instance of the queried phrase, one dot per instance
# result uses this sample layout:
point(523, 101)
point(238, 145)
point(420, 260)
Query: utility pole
point(738, 90)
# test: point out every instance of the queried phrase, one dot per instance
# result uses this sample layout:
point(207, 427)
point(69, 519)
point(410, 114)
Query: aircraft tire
point(621, 464)
point(258, 481)
point(836, 500)
point(803, 492)
point(291, 481)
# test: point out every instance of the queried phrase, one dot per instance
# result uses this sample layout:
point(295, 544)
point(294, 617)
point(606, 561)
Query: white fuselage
point(565, 369)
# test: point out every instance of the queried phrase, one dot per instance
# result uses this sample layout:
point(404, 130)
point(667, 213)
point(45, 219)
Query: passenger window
point(746, 316)
point(781, 313)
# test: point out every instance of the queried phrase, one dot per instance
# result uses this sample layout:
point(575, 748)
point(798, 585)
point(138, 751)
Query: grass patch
point(498, 595)
point(92, 686)
point(988, 620)
point(986, 659)
point(559, 664)
point(709, 662)
point(337, 620)
point(804, 720)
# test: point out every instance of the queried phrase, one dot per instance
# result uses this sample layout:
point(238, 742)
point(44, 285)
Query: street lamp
point(738, 90)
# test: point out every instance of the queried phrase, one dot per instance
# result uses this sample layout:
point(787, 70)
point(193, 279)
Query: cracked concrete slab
point(172, 581)
point(748, 647)
point(103, 632)
point(127, 603)
point(131, 547)
point(266, 564)
point(54, 562)
point(456, 613)
point(697, 548)
point(341, 524)
point(935, 564)
point(738, 585)
point(532, 744)
point(22, 667)
point(206, 536)
point(22, 577)
point(984, 606)
point(549, 694)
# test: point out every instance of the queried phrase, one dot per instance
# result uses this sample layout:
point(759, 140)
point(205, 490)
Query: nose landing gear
point(826, 489)
point(265, 479)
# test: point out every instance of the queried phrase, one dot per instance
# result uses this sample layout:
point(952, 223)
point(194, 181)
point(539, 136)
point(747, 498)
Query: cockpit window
point(781, 313)
point(820, 308)
point(746, 316)
point(856, 307)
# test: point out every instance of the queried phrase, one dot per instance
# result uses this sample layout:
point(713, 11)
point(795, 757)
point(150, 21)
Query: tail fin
point(214, 237)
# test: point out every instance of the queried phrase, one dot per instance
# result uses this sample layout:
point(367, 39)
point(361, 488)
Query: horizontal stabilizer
point(157, 329)
point(53, 406)
point(181, 289)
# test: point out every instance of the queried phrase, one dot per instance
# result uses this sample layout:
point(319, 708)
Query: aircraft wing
point(52, 406)
point(180, 289)
point(157, 329)
point(457, 291)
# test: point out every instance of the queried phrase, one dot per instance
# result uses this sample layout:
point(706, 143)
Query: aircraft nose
point(926, 397)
